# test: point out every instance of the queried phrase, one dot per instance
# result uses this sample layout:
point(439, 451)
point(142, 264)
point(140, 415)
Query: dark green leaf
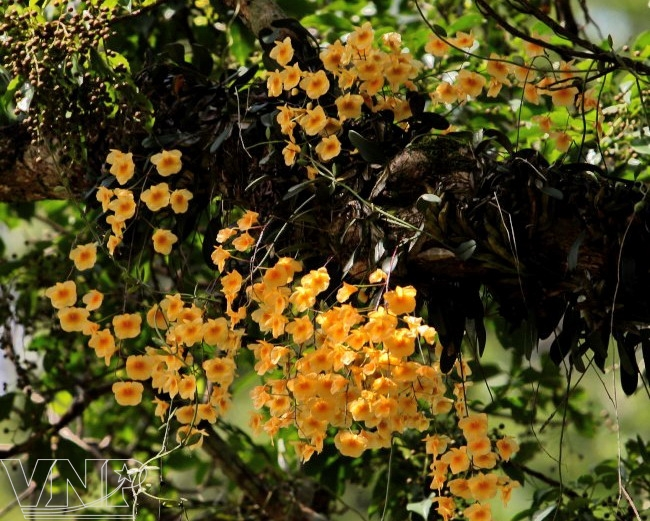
point(641, 147)
point(296, 189)
point(514, 472)
point(567, 339)
point(25, 211)
point(257, 181)
point(552, 192)
point(430, 198)
point(175, 52)
point(6, 405)
point(39, 467)
point(440, 31)
point(98, 63)
point(6, 267)
point(426, 121)
point(544, 514)
point(586, 480)
point(466, 249)
point(268, 119)
point(371, 151)
point(242, 76)
point(485, 371)
point(296, 8)
point(223, 135)
point(202, 59)
point(499, 137)
point(73, 453)
point(572, 260)
point(628, 363)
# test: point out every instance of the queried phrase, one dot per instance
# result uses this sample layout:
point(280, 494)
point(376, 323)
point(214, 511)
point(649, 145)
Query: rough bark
point(31, 171)
point(258, 15)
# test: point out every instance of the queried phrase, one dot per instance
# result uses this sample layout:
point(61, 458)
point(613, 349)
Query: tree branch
point(593, 51)
point(256, 14)
point(276, 497)
point(548, 480)
point(76, 410)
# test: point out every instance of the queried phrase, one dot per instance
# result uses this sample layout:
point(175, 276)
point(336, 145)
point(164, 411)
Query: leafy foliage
point(197, 120)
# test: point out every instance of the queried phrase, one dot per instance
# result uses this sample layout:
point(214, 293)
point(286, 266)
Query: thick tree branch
point(256, 14)
point(274, 496)
point(76, 410)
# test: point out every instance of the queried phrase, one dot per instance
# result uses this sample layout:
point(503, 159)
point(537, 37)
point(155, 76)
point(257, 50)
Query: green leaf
point(586, 480)
point(518, 60)
point(191, 439)
point(61, 402)
point(179, 460)
point(296, 8)
point(514, 472)
point(371, 151)
point(465, 22)
point(440, 31)
point(426, 199)
point(296, 189)
point(242, 43)
point(7, 267)
point(543, 514)
point(202, 59)
point(642, 44)
point(607, 473)
point(339, 24)
point(552, 192)
point(572, 260)
point(641, 147)
point(69, 451)
point(176, 52)
point(524, 515)
point(116, 59)
point(466, 249)
point(40, 450)
point(6, 404)
point(201, 471)
point(223, 135)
